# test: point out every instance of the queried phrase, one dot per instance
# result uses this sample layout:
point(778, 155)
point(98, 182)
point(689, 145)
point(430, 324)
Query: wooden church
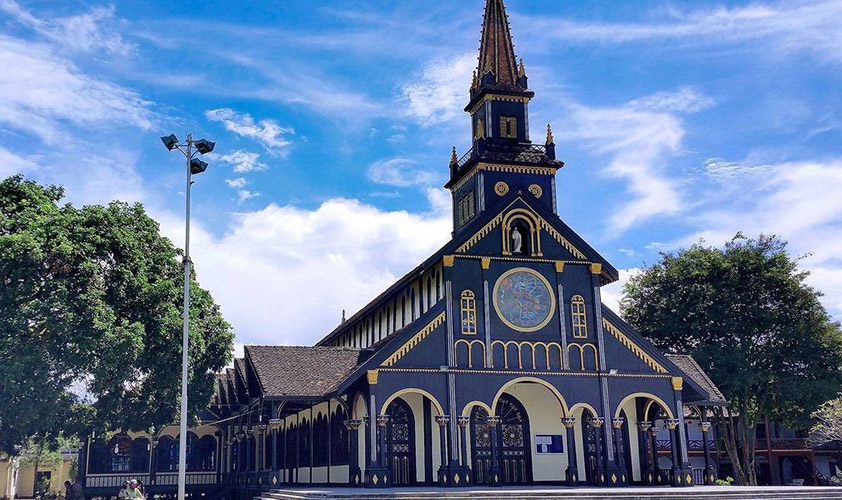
point(494, 362)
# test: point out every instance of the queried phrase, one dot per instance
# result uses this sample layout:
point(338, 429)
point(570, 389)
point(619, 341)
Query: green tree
point(827, 431)
point(45, 451)
point(745, 313)
point(90, 319)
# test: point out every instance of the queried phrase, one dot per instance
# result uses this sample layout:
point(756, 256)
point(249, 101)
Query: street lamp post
point(193, 166)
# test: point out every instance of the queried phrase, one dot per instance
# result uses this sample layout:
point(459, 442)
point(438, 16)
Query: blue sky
point(677, 120)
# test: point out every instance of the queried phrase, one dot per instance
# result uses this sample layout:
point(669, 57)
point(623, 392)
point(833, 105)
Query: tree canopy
point(90, 319)
point(747, 316)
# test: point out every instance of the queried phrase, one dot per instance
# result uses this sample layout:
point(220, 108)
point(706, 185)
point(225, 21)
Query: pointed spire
point(550, 139)
point(496, 51)
point(521, 69)
point(453, 159)
point(474, 81)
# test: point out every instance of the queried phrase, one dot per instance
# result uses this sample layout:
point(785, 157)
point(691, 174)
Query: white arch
point(538, 381)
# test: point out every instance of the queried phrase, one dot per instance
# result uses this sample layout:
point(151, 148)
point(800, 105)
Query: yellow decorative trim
point(536, 190)
point(652, 399)
point(485, 263)
point(415, 340)
point(480, 234)
point(582, 346)
point(372, 375)
point(447, 260)
point(524, 372)
point(677, 383)
point(501, 188)
point(559, 266)
point(596, 268)
point(470, 347)
point(498, 97)
point(516, 169)
point(532, 346)
point(411, 390)
point(561, 239)
point(640, 353)
point(546, 283)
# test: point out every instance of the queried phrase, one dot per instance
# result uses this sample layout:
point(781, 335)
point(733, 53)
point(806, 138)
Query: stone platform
point(544, 493)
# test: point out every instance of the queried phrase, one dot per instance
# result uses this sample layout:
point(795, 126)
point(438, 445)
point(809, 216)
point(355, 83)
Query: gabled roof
point(299, 371)
point(692, 369)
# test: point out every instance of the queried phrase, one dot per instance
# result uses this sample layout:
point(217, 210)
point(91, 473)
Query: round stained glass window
point(523, 300)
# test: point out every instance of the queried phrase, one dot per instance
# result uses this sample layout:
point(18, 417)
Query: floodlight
point(170, 141)
point(204, 146)
point(197, 166)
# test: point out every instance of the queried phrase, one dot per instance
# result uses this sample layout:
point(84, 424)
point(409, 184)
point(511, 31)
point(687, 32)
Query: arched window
point(120, 454)
point(320, 441)
point(338, 438)
point(166, 454)
point(469, 313)
point(508, 127)
point(304, 444)
point(579, 316)
point(201, 453)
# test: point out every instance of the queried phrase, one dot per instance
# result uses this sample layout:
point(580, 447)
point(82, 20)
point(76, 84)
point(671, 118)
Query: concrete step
point(543, 493)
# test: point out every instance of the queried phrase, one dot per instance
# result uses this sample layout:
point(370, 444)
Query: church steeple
point(502, 158)
point(497, 66)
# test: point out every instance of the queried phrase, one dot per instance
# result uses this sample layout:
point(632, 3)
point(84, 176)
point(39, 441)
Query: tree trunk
point(728, 426)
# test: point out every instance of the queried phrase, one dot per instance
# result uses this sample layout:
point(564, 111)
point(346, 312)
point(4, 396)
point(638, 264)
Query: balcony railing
point(783, 444)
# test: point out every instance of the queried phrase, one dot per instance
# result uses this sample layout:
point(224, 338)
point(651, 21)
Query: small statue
point(517, 241)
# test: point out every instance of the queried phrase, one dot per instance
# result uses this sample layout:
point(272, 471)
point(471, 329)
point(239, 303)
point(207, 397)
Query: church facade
point(494, 362)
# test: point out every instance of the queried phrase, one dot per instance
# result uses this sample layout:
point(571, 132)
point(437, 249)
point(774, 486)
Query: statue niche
point(519, 239)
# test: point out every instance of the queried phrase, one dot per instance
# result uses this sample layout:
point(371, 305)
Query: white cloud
point(44, 92)
point(400, 172)
point(245, 194)
point(243, 161)
point(92, 31)
point(441, 92)
point(685, 100)
point(268, 132)
point(282, 275)
point(236, 183)
point(639, 143)
point(611, 294)
point(798, 201)
point(11, 163)
point(787, 27)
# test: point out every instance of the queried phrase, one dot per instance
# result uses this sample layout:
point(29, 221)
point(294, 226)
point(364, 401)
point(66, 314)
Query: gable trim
point(505, 215)
point(414, 340)
point(633, 347)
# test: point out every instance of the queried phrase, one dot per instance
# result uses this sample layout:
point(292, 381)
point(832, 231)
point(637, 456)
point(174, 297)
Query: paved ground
point(630, 493)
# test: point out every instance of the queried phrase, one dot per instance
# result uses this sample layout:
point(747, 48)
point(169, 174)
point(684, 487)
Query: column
point(354, 476)
point(260, 442)
point(685, 472)
point(596, 423)
point(462, 471)
point(463, 440)
point(619, 477)
point(153, 459)
point(249, 452)
point(656, 468)
point(677, 479)
point(442, 421)
point(710, 471)
point(494, 470)
point(274, 425)
point(646, 472)
point(572, 473)
point(377, 474)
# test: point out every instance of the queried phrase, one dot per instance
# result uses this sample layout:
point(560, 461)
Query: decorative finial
point(550, 135)
point(343, 315)
point(521, 69)
point(453, 159)
point(474, 81)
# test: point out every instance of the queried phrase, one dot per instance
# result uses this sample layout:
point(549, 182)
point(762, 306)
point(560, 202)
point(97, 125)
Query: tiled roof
point(689, 366)
point(301, 371)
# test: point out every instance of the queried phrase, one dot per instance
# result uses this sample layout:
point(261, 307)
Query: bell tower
point(502, 158)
